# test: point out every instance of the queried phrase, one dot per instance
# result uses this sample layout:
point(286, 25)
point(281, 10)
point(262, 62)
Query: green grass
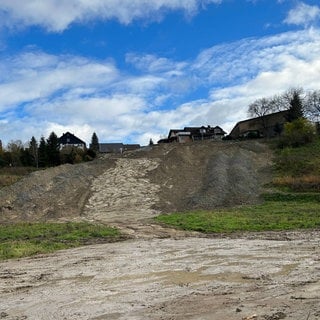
point(26, 239)
point(278, 212)
point(298, 162)
point(298, 169)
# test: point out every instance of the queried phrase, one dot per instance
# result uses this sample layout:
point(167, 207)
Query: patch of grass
point(25, 239)
point(298, 169)
point(292, 197)
point(279, 212)
point(10, 175)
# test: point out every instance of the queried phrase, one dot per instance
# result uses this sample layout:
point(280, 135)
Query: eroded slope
point(137, 185)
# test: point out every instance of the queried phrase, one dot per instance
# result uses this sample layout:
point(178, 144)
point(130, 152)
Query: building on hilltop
point(117, 147)
point(70, 140)
point(189, 134)
point(268, 126)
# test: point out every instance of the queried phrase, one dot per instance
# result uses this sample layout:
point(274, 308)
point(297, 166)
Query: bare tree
point(15, 149)
point(279, 103)
point(260, 108)
point(292, 100)
point(312, 105)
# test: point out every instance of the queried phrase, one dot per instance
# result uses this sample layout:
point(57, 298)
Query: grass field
point(26, 239)
point(278, 212)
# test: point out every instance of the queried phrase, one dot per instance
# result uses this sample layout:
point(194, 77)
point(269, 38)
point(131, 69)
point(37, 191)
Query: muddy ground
point(159, 273)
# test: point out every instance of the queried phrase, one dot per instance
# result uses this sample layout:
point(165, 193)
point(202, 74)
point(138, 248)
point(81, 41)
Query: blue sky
point(130, 70)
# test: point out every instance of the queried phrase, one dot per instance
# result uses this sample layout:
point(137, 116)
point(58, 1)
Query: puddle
point(183, 277)
point(286, 269)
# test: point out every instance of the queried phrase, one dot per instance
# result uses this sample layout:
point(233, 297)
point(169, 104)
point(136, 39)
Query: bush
point(297, 133)
point(74, 155)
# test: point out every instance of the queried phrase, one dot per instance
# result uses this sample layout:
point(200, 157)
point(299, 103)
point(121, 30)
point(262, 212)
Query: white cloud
point(31, 76)
point(152, 63)
point(91, 110)
point(303, 14)
point(243, 60)
point(56, 16)
point(43, 93)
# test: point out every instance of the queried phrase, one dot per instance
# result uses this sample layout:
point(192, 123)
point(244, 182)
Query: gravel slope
point(138, 185)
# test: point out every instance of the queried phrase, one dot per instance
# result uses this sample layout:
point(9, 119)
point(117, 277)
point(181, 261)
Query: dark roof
point(69, 138)
point(111, 147)
point(117, 147)
point(267, 116)
point(128, 147)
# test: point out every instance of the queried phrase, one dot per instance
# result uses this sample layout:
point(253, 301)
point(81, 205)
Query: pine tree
point(94, 143)
point(42, 153)
point(33, 151)
point(53, 150)
point(295, 106)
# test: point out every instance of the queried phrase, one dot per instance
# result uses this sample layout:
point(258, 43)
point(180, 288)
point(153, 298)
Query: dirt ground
point(159, 273)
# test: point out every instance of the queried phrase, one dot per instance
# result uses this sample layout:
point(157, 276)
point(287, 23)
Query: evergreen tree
point(53, 150)
point(296, 107)
point(94, 143)
point(42, 153)
point(33, 151)
point(26, 158)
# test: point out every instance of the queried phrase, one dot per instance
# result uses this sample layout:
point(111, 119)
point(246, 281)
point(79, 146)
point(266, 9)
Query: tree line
point(45, 152)
point(301, 107)
point(299, 103)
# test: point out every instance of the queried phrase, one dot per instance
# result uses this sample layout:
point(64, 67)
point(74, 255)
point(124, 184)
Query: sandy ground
point(159, 273)
point(191, 278)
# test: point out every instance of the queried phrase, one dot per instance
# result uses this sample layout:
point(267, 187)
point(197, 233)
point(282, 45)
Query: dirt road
point(159, 273)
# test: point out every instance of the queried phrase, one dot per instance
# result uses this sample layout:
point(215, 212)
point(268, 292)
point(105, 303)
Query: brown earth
point(139, 185)
point(159, 273)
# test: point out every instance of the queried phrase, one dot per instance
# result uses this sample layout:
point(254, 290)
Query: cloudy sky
point(130, 70)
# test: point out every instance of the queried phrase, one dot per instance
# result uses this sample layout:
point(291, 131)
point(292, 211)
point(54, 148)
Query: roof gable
point(69, 138)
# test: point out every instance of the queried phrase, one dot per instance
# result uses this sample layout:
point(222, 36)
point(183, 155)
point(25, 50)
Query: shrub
point(297, 133)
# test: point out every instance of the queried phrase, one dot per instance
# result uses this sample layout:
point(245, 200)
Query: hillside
point(140, 184)
point(174, 274)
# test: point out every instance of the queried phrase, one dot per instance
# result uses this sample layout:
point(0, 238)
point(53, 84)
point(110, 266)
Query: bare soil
point(159, 273)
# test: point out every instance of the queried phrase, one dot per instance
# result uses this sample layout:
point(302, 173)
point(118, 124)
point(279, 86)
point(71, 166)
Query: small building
point(70, 140)
point(268, 126)
point(176, 135)
point(189, 134)
point(117, 147)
